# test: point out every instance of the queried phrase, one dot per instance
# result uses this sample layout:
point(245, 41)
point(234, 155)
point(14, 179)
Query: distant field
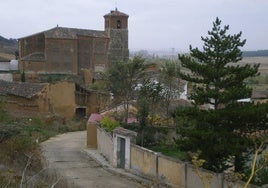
point(260, 82)
point(263, 69)
point(7, 56)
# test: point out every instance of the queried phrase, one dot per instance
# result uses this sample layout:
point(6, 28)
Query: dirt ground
point(65, 154)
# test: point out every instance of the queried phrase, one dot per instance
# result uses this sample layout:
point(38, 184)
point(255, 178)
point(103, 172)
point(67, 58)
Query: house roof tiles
point(21, 89)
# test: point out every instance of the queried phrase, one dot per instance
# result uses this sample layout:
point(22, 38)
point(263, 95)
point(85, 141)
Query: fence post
point(185, 174)
point(156, 169)
point(222, 180)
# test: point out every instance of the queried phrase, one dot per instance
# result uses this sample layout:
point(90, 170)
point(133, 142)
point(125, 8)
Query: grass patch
point(170, 151)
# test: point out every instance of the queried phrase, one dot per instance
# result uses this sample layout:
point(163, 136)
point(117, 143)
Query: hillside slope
point(8, 46)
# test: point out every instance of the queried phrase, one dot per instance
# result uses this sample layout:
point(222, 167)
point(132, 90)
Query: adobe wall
point(61, 99)
point(57, 99)
point(92, 141)
point(22, 107)
point(96, 102)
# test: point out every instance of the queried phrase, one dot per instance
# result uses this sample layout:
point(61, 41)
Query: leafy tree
point(217, 80)
point(123, 78)
point(149, 96)
point(142, 116)
point(169, 77)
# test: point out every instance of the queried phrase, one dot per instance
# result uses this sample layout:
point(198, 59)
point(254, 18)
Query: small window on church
point(118, 24)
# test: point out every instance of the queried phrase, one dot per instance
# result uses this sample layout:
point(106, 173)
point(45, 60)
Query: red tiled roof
point(94, 117)
point(132, 120)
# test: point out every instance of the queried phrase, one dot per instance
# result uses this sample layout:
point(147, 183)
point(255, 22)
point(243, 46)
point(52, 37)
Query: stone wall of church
point(118, 48)
point(91, 52)
point(100, 51)
point(31, 44)
point(61, 56)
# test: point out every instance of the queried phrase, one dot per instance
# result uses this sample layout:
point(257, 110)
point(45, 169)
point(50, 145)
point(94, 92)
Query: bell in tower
point(116, 27)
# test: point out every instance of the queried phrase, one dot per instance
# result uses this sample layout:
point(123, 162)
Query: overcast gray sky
point(153, 24)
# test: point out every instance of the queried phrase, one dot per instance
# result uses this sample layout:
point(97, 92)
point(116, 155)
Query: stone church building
point(66, 60)
point(72, 51)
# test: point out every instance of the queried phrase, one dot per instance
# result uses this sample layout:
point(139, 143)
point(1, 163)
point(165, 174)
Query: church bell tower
point(116, 27)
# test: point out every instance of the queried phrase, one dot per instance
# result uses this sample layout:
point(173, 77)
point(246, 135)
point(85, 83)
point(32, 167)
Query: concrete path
point(66, 154)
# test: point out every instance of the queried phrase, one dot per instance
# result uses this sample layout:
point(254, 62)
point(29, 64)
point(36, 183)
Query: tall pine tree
point(218, 80)
point(224, 132)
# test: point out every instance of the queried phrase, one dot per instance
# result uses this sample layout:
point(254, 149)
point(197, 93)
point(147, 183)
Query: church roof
point(115, 13)
point(70, 33)
point(21, 89)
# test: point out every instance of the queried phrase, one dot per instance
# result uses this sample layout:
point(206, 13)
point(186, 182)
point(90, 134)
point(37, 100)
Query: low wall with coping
point(105, 144)
point(171, 170)
point(142, 161)
point(162, 169)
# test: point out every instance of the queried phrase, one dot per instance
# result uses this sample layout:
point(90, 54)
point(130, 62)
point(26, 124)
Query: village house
point(49, 99)
point(7, 68)
point(38, 99)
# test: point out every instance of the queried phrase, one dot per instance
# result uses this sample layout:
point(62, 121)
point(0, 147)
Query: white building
point(6, 68)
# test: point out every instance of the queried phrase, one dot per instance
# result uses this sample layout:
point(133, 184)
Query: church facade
point(72, 51)
point(67, 60)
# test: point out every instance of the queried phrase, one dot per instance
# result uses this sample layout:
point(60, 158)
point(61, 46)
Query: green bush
point(109, 124)
point(37, 122)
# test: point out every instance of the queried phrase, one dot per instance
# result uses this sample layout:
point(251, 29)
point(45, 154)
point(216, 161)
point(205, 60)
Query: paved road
point(65, 154)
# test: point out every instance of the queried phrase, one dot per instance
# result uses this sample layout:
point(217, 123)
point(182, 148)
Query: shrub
point(108, 124)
